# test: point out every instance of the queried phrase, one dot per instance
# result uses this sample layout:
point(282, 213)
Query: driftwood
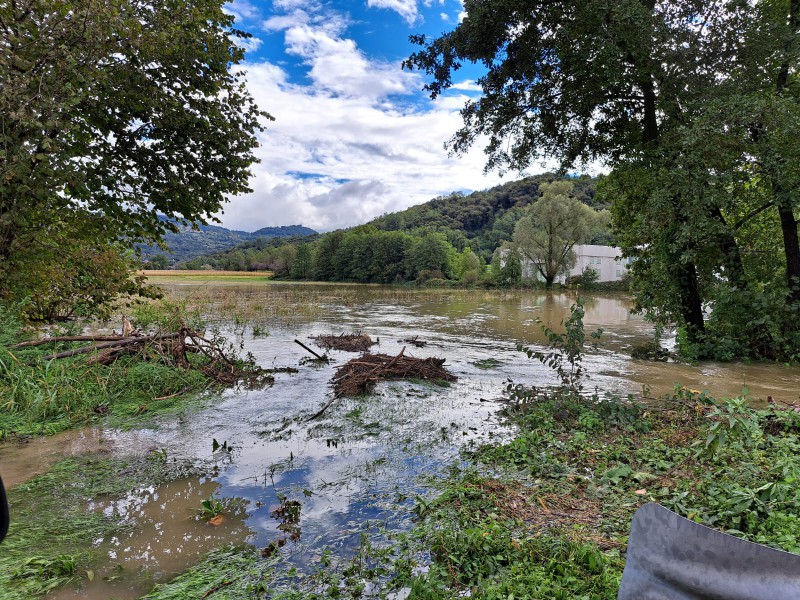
point(119, 343)
point(68, 338)
point(350, 342)
point(169, 348)
point(360, 375)
point(304, 347)
point(415, 341)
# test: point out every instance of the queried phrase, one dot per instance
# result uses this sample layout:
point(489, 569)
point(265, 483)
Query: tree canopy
point(115, 112)
point(644, 85)
point(550, 229)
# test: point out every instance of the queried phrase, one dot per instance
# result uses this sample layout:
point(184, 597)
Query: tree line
point(694, 106)
point(540, 230)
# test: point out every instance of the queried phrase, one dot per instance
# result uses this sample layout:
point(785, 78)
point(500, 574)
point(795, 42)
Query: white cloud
point(242, 10)
point(468, 85)
point(343, 149)
point(463, 14)
point(282, 22)
point(332, 161)
point(405, 8)
point(338, 66)
point(445, 17)
point(250, 44)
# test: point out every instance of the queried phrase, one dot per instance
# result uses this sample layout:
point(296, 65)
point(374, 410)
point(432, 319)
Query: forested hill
point(484, 218)
point(424, 240)
point(191, 243)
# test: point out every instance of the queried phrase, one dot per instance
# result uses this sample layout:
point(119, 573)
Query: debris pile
point(350, 342)
point(360, 375)
point(214, 359)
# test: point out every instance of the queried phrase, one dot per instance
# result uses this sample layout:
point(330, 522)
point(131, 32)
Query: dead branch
point(304, 347)
point(114, 344)
point(68, 338)
point(359, 376)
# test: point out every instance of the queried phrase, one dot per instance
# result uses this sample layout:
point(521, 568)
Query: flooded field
point(359, 467)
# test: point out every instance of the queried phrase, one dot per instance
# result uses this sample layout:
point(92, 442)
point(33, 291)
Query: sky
point(354, 135)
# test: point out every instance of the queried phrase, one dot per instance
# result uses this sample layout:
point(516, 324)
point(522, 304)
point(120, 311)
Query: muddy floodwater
point(359, 467)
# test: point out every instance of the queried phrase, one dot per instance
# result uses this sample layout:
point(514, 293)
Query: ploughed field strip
point(360, 375)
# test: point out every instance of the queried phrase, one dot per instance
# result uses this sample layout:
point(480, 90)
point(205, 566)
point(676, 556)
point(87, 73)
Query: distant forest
point(451, 237)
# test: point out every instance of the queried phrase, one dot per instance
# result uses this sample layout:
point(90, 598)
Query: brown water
point(362, 460)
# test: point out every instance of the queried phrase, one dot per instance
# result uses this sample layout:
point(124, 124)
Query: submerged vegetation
point(52, 527)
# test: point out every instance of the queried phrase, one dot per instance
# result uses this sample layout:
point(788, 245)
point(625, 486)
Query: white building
point(606, 260)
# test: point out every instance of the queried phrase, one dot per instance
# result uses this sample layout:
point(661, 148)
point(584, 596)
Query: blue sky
point(354, 136)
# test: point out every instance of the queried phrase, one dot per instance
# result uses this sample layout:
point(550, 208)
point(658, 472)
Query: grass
point(547, 514)
point(159, 276)
point(227, 573)
point(44, 397)
point(39, 395)
point(50, 540)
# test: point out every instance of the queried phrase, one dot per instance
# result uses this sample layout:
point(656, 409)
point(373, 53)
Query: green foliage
point(565, 350)
point(228, 573)
point(699, 140)
point(550, 229)
point(446, 238)
point(98, 141)
point(589, 278)
point(43, 396)
point(70, 275)
point(211, 508)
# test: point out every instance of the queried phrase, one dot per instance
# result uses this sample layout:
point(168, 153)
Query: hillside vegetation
point(451, 237)
point(191, 243)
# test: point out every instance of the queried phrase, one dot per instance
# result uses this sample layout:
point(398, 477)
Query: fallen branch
point(114, 344)
point(68, 338)
point(302, 345)
point(359, 376)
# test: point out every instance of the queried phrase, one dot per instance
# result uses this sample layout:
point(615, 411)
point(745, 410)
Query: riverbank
point(353, 501)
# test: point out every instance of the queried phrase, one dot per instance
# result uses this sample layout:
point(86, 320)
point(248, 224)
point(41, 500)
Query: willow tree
point(550, 229)
point(596, 80)
point(113, 113)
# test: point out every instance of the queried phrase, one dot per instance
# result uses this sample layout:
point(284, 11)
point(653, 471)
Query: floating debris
point(349, 342)
point(415, 341)
point(360, 375)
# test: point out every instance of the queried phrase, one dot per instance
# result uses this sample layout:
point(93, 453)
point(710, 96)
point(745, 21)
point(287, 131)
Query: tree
point(507, 266)
point(614, 81)
point(431, 255)
point(115, 112)
point(159, 261)
point(552, 226)
point(301, 269)
point(75, 276)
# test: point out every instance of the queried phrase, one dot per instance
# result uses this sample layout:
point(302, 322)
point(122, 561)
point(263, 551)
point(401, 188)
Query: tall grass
point(42, 396)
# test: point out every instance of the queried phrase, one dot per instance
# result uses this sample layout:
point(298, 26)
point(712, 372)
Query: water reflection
point(356, 466)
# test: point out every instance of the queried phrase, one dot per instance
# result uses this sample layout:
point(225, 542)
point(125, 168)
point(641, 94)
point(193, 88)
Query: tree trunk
point(791, 245)
point(731, 255)
point(690, 299)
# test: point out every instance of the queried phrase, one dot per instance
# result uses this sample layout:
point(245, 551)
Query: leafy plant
point(565, 350)
point(211, 508)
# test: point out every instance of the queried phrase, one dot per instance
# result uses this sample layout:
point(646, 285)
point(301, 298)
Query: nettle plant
point(565, 351)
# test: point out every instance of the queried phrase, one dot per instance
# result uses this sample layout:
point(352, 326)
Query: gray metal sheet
point(672, 558)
